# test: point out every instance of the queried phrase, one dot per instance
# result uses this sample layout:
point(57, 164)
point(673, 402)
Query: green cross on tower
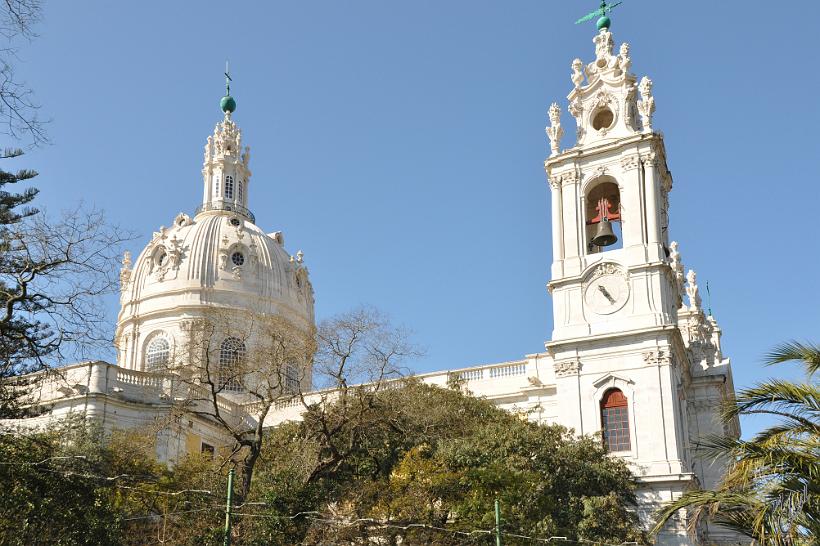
point(601, 13)
point(227, 104)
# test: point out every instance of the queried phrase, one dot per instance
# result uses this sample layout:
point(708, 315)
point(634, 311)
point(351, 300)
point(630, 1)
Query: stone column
point(557, 229)
point(653, 196)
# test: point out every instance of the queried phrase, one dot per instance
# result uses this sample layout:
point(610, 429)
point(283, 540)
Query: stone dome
point(218, 259)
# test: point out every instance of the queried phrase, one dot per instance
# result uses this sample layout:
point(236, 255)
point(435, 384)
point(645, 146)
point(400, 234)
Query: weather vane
point(228, 80)
point(603, 21)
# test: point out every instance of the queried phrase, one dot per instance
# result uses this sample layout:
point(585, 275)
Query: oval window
point(603, 119)
point(237, 258)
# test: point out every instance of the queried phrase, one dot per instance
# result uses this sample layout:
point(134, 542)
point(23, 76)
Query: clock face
point(606, 293)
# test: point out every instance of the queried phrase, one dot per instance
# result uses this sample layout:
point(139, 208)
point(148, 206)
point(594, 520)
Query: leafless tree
point(232, 371)
point(358, 355)
point(238, 367)
point(17, 105)
point(53, 274)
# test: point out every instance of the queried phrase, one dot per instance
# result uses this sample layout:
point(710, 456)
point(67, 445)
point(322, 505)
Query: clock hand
point(606, 293)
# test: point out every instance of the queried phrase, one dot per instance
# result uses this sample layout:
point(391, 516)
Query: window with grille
point(240, 189)
point(157, 354)
point(615, 421)
point(231, 355)
point(216, 186)
point(229, 187)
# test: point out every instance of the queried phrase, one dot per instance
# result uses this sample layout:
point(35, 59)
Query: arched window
point(231, 355)
point(157, 354)
point(229, 187)
point(240, 189)
point(615, 421)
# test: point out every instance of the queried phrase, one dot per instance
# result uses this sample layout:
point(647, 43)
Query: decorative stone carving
point(300, 257)
point(160, 235)
point(568, 178)
point(175, 253)
point(226, 142)
point(566, 368)
point(603, 44)
point(604, 98)
point(629, 162)
point(600, 171)
point(606, 268)
point(576, 110)
point(646, 106)
point(182, 220)
point(624, 61)
point(650, 159)
point(253, 255)
point(125, 271)
point(223, 253)
point(577, 73)
point(677, 266)
point(555, 131)
point(630, 116)
point(692, 291)
point(657, 358)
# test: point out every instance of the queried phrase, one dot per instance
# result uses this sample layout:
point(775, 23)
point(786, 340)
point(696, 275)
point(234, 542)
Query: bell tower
point(609, 203)
point(625, 363)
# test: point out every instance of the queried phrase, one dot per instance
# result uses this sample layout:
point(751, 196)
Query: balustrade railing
point(231, 207)
point(498, 371)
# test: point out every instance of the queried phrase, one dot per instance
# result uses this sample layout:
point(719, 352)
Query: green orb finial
point(603, 23)
point(227, 104)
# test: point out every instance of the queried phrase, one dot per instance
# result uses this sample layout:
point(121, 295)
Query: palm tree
point(771, 490)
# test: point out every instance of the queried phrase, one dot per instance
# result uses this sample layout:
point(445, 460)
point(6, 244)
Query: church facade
point(632, 355)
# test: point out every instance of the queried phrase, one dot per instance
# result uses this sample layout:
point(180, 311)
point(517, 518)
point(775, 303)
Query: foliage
point(419, 458)
point(75, 486)
point(771, 489)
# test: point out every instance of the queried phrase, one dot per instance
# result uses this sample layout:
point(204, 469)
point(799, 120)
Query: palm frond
point(776, 395)
point(702, 504)
point(807, 353)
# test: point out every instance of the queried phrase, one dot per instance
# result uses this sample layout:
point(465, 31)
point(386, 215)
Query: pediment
point(611, 378)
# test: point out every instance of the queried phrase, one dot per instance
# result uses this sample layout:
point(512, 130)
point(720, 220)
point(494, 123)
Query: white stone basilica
point(632, 353)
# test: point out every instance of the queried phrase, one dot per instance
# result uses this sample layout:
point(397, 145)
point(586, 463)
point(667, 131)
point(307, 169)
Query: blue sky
point(400, 145)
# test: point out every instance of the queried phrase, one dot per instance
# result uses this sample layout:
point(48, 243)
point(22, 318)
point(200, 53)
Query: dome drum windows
point(231, 360)
point(157, 354)
point(615, 421)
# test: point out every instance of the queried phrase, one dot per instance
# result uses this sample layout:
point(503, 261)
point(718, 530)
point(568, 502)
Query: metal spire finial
point(708, 299)
point(228, 80)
